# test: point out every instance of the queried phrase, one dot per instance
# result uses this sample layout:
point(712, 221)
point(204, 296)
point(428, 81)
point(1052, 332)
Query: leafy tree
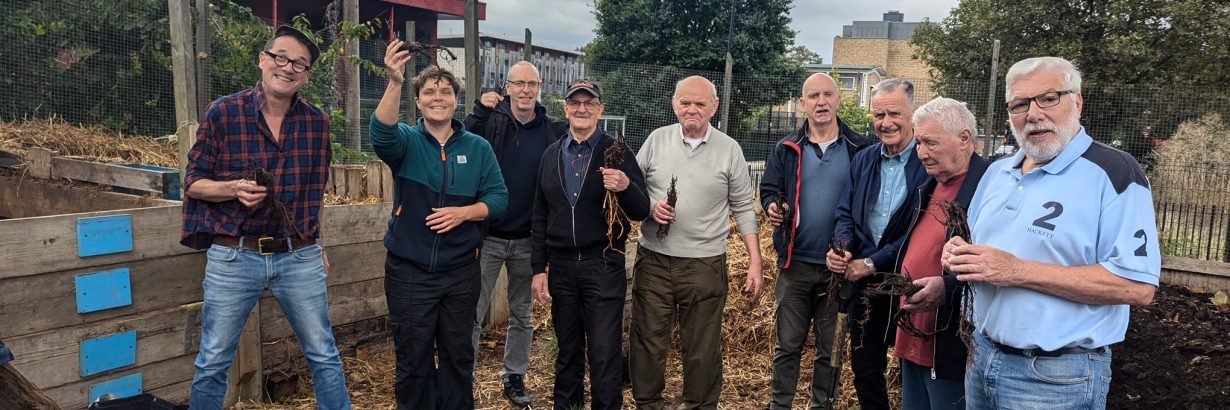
point(1133, 54)
point(691, 35)
point(804, 55)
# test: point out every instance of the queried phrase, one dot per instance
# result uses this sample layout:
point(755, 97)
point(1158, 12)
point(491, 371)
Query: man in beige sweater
point(683, 275)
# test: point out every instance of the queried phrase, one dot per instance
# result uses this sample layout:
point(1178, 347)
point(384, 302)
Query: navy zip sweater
point(428, 175)
point(561, 230)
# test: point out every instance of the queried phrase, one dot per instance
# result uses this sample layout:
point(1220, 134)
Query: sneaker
point(514, 390)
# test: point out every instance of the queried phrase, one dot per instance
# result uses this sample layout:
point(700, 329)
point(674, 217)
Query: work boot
point(514, 390)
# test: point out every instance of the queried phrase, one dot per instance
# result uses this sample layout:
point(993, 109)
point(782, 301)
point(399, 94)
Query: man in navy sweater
point(874, 217)
point(586, 282)
point(519, 129)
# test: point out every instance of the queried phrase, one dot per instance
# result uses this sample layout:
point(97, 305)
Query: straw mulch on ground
point(93, 143)
point(748, 344)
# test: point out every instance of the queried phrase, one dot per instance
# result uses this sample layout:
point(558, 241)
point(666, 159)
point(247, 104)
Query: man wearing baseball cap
point(250, 247)
point(586, 282)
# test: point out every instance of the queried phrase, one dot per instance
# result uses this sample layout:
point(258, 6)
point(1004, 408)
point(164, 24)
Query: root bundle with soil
point(672, 196)
point(280, 212)
point(613, 158)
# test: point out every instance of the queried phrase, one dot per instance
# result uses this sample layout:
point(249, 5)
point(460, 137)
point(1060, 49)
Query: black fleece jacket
point(560, 230)
point(517, 148)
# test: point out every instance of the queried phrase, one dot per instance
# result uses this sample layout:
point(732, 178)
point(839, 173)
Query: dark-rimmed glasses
point(1044, 100)
point(281, 60)
point(533, 85)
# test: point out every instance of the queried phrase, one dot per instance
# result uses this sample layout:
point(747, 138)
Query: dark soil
point(1176, 355)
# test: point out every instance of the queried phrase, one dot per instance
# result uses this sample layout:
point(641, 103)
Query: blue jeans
point(234, 281)
point(515, 255)
point(920, 389)
point(998, 380)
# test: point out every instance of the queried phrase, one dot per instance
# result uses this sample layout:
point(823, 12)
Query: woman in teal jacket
point(447, 183)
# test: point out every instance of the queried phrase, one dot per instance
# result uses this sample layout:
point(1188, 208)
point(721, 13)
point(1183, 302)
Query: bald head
point(820, 102)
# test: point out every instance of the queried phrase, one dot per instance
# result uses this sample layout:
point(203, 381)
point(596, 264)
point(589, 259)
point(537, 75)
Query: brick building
point(886, 44)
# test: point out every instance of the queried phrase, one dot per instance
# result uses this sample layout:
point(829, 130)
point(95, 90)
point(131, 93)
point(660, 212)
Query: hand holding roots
point(787, 217)
point(280, 212)
point(956, 222)
point(428, 50)
point(613, 158)
point(672, 196)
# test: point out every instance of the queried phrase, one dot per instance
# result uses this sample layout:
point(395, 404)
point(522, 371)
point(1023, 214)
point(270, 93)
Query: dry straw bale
point(89, 142)
point(1191, 167)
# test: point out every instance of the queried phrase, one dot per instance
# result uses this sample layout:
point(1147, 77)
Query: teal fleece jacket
point(428, 175)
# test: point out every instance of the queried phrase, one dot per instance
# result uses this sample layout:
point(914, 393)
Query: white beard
point(1046, 150)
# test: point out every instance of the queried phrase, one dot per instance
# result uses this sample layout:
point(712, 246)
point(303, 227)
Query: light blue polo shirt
point(892, 187)
point(1091, 204)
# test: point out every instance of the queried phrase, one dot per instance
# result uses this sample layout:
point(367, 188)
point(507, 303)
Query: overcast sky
point(569, 24)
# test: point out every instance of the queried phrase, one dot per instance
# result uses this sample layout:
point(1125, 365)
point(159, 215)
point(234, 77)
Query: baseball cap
point(286, 30)
point(588, 86)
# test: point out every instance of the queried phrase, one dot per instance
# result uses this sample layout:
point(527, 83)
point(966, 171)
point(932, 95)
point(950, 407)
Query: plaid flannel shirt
point(232, 137)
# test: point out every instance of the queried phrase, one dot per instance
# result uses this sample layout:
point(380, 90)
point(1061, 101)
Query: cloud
point(569, 24)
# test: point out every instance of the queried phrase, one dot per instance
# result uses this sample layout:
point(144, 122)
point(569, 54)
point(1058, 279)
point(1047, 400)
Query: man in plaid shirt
point(255, 184)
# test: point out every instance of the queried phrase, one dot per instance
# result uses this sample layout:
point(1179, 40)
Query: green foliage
point(691, 34)
point(1154, 45)
point(97, 62)
point(803, 55)
point(857, 117)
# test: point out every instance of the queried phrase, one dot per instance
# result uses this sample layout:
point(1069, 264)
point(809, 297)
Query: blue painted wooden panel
point(109, 352)
point(122, 387)
point(102, 235)
point(103, 290)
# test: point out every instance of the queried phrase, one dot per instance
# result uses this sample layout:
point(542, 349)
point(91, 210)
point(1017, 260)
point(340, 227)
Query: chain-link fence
point(108, 63)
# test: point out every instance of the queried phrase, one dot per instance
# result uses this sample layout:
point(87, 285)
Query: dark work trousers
point(587, 310)
point(692, 291)
point(869, 343)
point(803, 303)
point(432, 312)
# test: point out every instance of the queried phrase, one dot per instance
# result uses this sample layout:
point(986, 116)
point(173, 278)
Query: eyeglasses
point(1045, 100)
point(589, 104)
point(281, 60)
point(523, 84)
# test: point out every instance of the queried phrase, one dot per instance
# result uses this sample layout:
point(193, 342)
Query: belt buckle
point(260, 245)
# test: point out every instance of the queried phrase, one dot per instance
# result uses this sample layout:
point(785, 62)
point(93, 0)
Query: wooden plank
point(175, 393)
point(348, 303)
point(386, 183)
point(345, 224)
point(356, 188)
point(110, 174)
point(161, 375)
point(1214, 268)
point(39, 162)
point(183, 66)
point(47, 301)
point(245, 380)
point(50, 359)
point(29, 197)
point(47, 243)
point(337, 180)
point(372, 177)
point(372, 334)
point(1210, 276)
point(18, 393)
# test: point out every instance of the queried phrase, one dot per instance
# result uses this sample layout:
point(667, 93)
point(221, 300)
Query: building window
point(846, 83)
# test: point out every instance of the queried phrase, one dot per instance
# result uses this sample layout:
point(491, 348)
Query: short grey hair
point(1023, 68)
point(712, 87)
point(953, 115)
point(894, 84)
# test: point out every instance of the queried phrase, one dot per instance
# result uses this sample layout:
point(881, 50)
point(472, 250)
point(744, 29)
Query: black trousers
point(430, 313)
point(587, 310)
point(869, 343)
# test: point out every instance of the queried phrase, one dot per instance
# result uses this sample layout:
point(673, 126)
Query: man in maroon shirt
point(931, 352)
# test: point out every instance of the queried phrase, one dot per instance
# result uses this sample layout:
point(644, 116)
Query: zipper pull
point(443, 157)
point(932, 373)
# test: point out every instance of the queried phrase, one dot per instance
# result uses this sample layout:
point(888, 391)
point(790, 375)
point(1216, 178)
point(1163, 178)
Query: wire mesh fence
point(107, 63)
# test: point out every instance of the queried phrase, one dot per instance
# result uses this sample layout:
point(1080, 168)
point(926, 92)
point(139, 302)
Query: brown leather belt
point(265, 245)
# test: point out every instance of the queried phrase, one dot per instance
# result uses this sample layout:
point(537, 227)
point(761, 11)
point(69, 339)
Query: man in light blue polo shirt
point(1066, 241)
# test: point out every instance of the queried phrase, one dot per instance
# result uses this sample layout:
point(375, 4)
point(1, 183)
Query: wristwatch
point(871, 265)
